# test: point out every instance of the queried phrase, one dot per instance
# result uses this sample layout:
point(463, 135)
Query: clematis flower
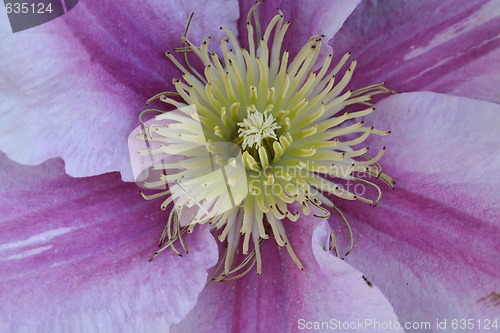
point(74, 251)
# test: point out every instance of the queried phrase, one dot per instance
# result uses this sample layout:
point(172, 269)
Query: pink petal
point(74, 256)
point(308, 18)
point(74, 87)
point(283, 298)
point(445, 141)
point(446, 46)
point(431, 245)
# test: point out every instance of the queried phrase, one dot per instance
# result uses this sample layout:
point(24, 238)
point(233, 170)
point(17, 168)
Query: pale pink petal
point(285, 299)
point(74, 87)
point(444, 46)
point(443, 141)
point(74, 256)
point(431, 245)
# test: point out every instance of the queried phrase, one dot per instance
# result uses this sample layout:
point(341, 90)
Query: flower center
point(256, 127)
point(297, 143)
point(257, 132)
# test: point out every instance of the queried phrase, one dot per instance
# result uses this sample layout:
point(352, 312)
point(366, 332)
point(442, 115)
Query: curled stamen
point(248, 262)
point(180, 238)
point(168, 244)
point(333, 242)
point(155, 97)
point(324, 210)
point(368, 158)
point(188, 45)
point(167, 229)
point(149, 111)
point(351, 235)
point(373, 185)
point(229, 278)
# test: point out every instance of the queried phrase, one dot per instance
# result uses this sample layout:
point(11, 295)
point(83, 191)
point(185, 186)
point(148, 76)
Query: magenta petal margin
point(74, 256)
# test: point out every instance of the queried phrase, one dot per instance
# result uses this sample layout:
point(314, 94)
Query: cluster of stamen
point(294, 137)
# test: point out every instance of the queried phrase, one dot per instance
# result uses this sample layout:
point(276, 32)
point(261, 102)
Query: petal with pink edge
point(285, 299)
point(443, 141)
point(447, 46)
point(74, 256)
point(431, 245)
point(74, 87)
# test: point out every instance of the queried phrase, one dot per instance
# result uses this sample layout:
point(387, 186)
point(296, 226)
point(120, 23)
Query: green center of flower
point(297, 144)
point(257, 132)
